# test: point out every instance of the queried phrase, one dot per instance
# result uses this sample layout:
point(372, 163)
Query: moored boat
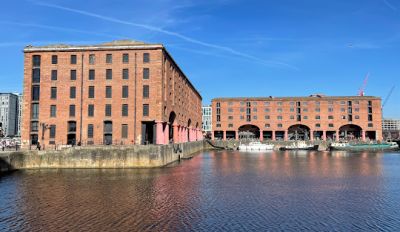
point(345, 146)
point(299, 145)
point(256, 146)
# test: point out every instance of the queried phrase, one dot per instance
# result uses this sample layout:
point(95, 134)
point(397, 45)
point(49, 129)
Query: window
point(52, 131)
point(73, 59)
point(36, 61)
point(36, 75)
point(72, 126)
point(330, 125)
point(92, 74)
point(72, 92)
point(266, 110)
point(108, 92)
point(330, 117)
point(357, 109)
point(279, 117)
point(124, 131)
point(342, 109)
point(35, 111)
point(343, 116)
point(255, 117)
point(92, 59)
point(230, 125)
point(241, 117)
point(125, 74)
point(230, 110)
point(242, 110)
point(305, 110)
point(125, 58)
point(72, 110)
point(35, 93)
point(279, 125)
point(53, 111)
point(145, 109)
point(125, 110)
point(146, 73)
point(53, 75)
point(370, 125)
point(109, 74)
point(305, 117)
point(146, 57)
point(279, 110)
point(125, 91)
point(342, 103)
point(54, 59)
point(53, 93)
point(279, 103)
point(266, 103)
point(330, 109)
point(34, 126)
point(146, 91)
point(317, 117)
point(91, 91)
point(90, 110)
point(317, 109)
point(357, 117)
point(90, 131)
point(292, 117)
point(267, 117)
point(370, 117)
point(317, 125)
point(230, 117)
point(218, 125)
point(73, 75)
point(267, 125)
point(291, 109)
point(108, 110)
point(109, 58)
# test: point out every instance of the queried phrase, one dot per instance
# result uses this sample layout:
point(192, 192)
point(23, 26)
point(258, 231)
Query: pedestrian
point(38, 146)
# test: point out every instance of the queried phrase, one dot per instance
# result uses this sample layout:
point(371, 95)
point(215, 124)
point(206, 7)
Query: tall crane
point(361, 91)
point(388, 96)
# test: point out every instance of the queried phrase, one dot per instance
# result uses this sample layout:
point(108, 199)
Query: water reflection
point(219, 190)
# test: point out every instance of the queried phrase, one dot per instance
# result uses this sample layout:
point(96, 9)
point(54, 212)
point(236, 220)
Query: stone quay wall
point(137, 156)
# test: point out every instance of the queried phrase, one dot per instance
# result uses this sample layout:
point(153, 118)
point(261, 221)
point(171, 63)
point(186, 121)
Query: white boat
point(256, 146)
point(299, 145)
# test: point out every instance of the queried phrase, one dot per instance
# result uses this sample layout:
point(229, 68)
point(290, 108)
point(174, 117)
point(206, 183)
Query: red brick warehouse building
point(123, 92)
point(316, 117)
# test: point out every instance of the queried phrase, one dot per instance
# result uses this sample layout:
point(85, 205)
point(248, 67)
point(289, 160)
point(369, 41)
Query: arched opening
point(298, 132)
point(249, 131)
point(350, 132)
point(171, 120)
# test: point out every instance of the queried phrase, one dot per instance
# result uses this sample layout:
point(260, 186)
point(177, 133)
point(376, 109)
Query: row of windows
point(92, 59)
point(90, 130)
point(92, 74)
point(91, 111)
point(280, 110)
point(279, 125)
point(280, 117)
point(298, 104)
point(91, 92)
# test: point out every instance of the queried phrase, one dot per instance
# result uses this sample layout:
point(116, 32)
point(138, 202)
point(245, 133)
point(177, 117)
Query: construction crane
point(361, 92)
point(388, 96)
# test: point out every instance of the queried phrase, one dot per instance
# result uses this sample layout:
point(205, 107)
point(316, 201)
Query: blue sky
point(229, 47)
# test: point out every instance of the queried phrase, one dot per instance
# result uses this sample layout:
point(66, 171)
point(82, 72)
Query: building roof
point(311, 97)
point(113, 45)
